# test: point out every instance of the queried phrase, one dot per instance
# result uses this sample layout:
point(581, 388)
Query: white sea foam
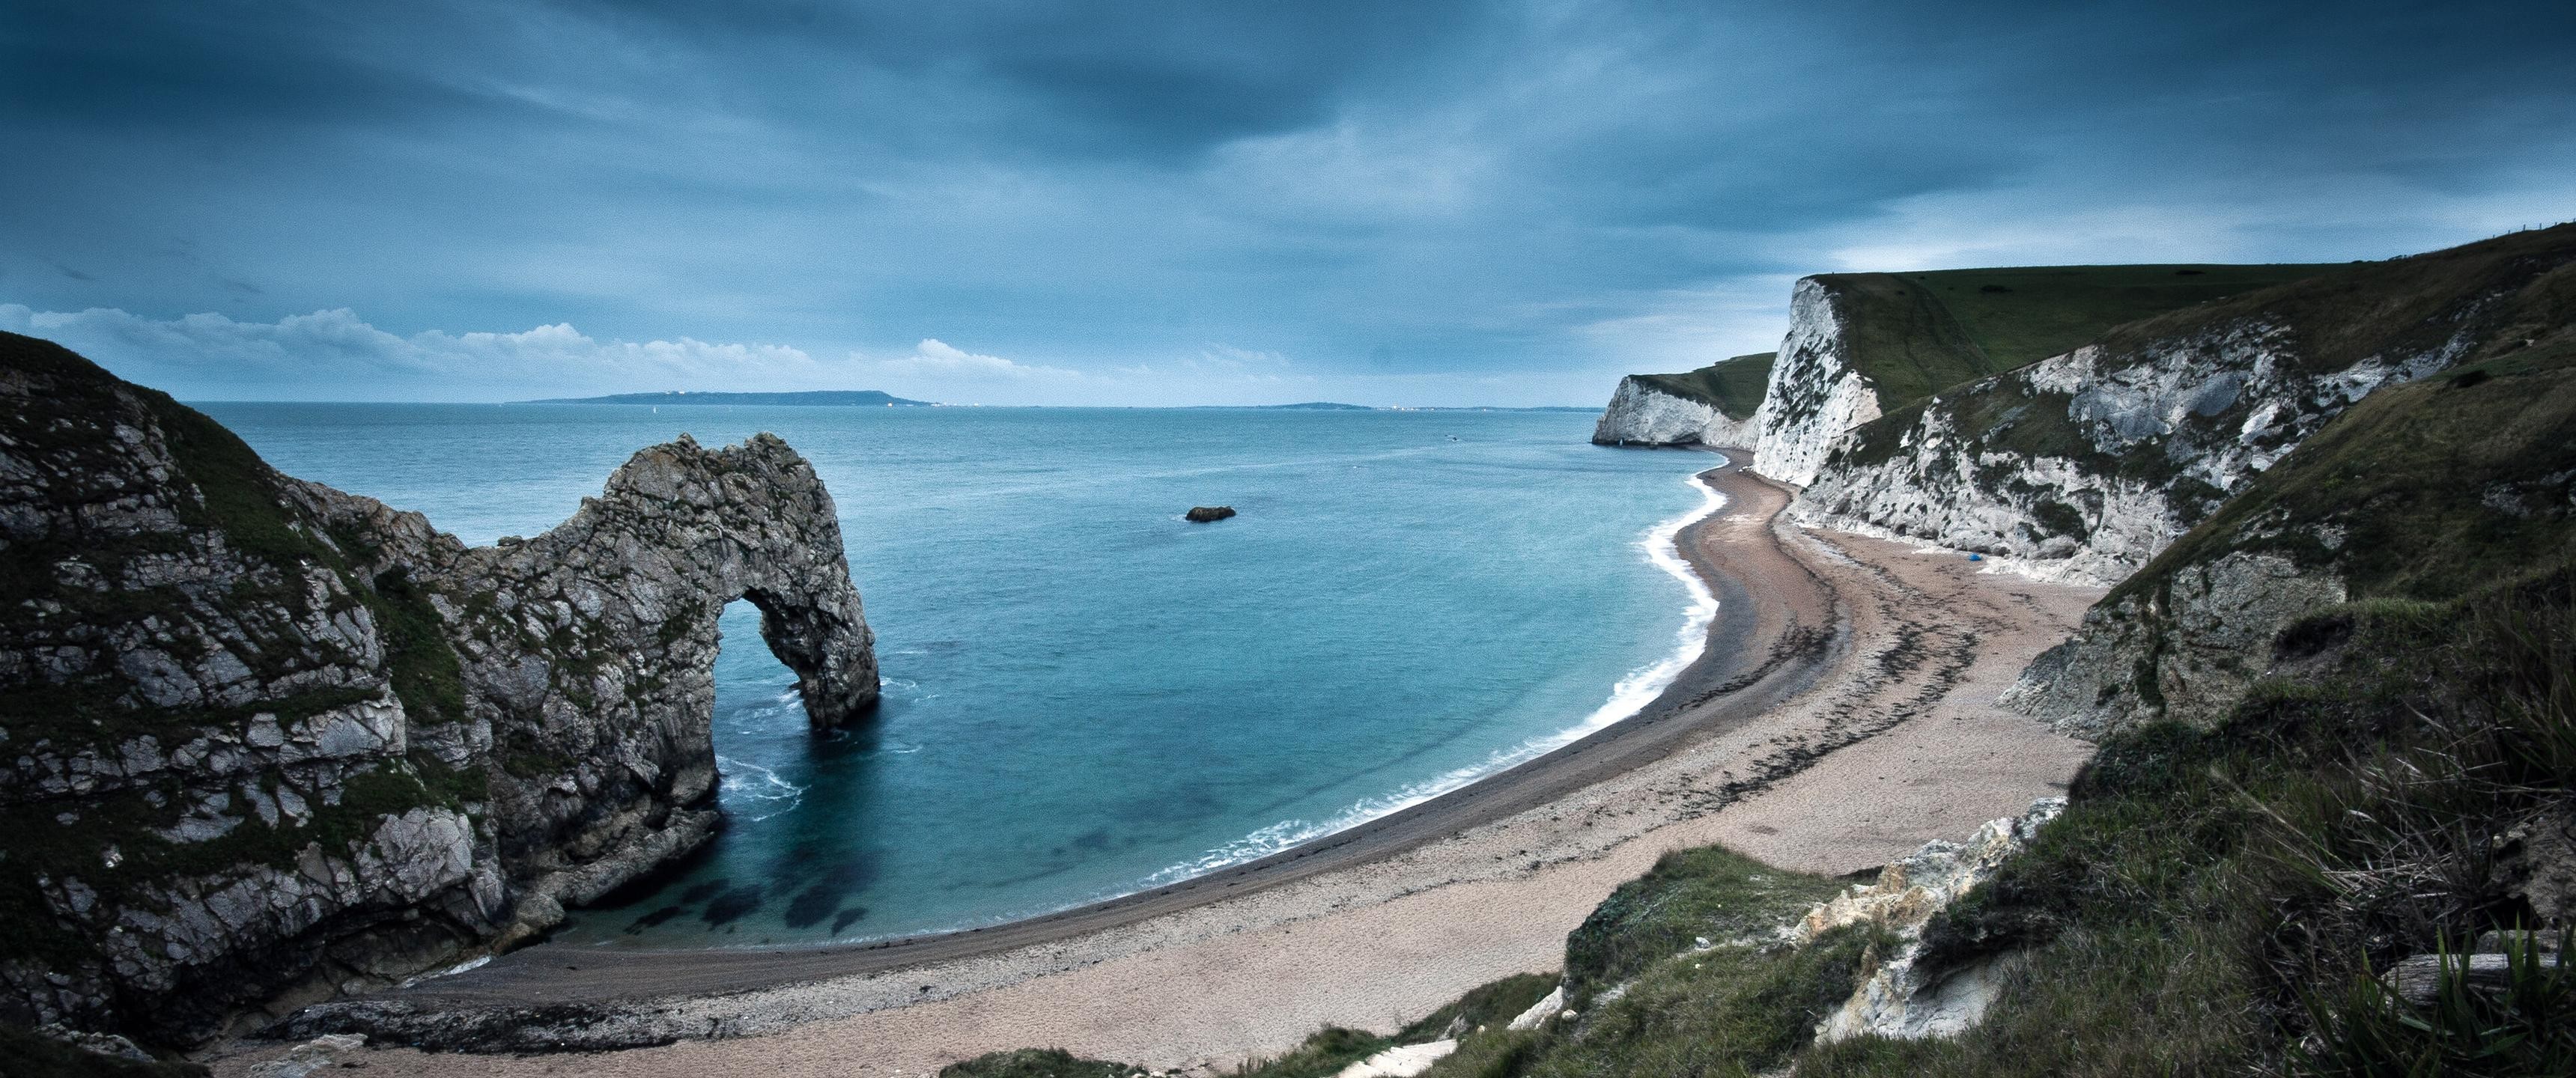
point(461, 967)
point(754, 790)
point(1627, 698)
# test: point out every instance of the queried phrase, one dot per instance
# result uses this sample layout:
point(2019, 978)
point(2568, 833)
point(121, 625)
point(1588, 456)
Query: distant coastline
point(839, 398)
point(871, 398)
point(1335, 406)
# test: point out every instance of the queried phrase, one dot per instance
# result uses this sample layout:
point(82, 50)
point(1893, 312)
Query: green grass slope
point(2427, 489)
point(1916, 334)
point(1732, 386)
point(2228, 900)
point(2499, 293)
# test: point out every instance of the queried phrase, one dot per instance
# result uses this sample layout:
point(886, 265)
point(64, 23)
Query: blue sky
point(1181, 203)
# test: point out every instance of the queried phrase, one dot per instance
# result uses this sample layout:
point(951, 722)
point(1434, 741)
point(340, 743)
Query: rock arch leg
point(832, 655)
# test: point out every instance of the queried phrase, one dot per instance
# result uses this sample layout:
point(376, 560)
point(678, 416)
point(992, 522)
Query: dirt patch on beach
point(1843, 715)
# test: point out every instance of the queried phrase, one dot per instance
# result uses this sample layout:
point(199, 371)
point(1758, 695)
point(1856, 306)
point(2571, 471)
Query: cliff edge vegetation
point(1713, 405)
point(2088, 464)
point(1734, 386)
point(2420, 491)
point(1865, 344)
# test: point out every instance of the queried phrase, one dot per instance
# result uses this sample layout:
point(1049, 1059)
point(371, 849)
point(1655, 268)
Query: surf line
point(1662, 547)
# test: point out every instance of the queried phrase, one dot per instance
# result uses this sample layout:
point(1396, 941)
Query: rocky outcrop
point(1899, 998)
point(1817, 391)
point(2187, 653)
point(1640, 414)
point(1712, 406)
point(2164, 458)
point(268, 741)
point(2088, 465)
point(2085, 466)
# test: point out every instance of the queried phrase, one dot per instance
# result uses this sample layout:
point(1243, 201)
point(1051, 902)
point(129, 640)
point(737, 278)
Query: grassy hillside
point(2421, 490)
point(2225, 901)
point(2513, 288)
point(1733, 386)
point(1916, 334)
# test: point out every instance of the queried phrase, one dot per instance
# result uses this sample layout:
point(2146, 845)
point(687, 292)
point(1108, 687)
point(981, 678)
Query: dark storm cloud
point(1501, 201)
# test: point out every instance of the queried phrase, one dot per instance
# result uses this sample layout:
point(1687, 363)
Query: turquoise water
point(1085, 695)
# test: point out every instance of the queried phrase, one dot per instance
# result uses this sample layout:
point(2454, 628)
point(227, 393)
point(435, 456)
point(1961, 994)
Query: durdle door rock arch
point(595, 643)
point(263, 742)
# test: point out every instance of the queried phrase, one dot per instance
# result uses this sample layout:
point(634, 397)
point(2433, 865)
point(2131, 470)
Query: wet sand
point(1842, 714)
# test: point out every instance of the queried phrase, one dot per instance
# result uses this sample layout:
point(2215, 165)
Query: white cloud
point(326, 353)
point(937, 359)
point(337, 355)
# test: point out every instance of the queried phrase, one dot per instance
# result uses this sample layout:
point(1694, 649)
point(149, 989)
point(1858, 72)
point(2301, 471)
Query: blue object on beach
point(1976, 557)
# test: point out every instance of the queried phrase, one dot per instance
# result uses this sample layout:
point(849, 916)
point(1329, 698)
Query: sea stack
point(1209, 514)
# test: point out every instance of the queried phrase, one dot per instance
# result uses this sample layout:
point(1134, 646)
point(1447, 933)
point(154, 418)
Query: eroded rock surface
point(1817, 391)
point(1899, 998)
point(2185, 652)
point(1642, 415)
point(2087, 465)
point(267, 741)
point(2091, 463)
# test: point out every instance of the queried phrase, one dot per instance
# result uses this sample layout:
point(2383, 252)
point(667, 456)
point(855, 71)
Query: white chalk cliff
point(2087, 465)
point(1816, 394)
point(1641, 414)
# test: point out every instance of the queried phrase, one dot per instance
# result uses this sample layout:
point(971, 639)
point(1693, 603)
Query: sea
point(1085, 694)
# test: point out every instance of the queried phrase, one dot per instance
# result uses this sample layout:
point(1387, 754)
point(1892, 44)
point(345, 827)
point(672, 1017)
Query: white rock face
point(318, 1054)
point(2135, 447)
point(1539, 1012)
point(1899, 1000)
point(1401, 1061)
point(1640, 414)
point(1815, 393)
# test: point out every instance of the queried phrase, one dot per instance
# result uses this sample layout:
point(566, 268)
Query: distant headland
point(1335, 406)
point(842, 398)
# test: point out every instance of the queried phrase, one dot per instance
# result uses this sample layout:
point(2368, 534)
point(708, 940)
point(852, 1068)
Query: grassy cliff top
point(1733, 386)
point(1916, 334)
point(2422, 490)
point(2504, 291)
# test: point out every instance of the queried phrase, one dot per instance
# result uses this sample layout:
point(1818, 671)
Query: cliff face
point(2398, 431)
point(1816, 393)
point(1713, 405)
point(1864, 344)
point(268, 741)
point(1641, 414)
point(2421, 492)
point(2088, 464)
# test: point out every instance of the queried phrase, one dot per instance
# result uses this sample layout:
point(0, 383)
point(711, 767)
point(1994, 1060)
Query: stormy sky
point(1387, 202)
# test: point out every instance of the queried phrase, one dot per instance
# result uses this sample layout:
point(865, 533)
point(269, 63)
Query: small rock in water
point(1207, 514)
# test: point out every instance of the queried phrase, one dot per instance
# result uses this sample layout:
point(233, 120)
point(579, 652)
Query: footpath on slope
point(1843, 715)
